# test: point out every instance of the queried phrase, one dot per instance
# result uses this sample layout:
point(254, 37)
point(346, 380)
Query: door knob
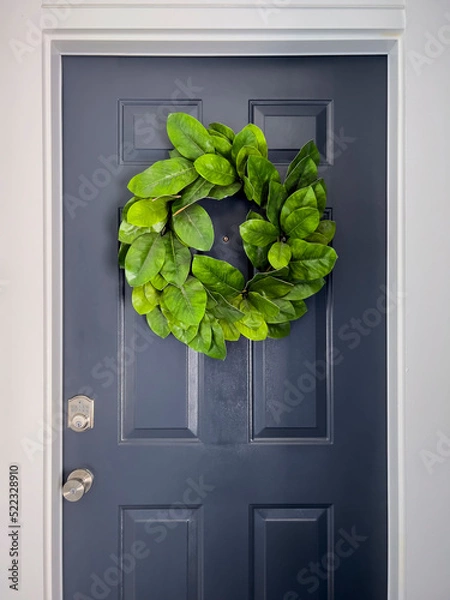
point(77, 485)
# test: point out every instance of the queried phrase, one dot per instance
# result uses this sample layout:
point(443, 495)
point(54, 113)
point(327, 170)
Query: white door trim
point(190, 42)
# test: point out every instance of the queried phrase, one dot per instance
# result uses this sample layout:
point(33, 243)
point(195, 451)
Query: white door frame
point(34, 329)
point(238, 43)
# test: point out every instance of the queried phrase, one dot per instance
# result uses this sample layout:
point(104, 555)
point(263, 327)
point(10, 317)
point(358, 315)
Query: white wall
point(21, 288)
point(428, 298)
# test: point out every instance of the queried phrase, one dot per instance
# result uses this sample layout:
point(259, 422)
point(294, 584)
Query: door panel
point(262, 477)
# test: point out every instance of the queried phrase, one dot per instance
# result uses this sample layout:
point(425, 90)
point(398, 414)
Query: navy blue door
point(262, 477)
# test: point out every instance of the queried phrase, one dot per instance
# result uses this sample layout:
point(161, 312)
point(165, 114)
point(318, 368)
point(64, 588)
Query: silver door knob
point(77, 485)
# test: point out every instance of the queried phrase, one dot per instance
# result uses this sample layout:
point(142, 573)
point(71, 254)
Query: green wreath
point(202, 301)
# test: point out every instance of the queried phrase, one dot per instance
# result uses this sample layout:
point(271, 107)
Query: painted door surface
point(262, 477)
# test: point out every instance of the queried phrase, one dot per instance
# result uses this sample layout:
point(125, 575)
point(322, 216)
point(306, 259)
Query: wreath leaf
point(187, 303)
point(144, 259)
point(302, 175)
point(222, 130)
point(301, 222)
point(258, 232)
point(311, 261)
point(188, 135)
point(148, 212)
point(194, 227)
point(279, 330)
point(218, 276)
point(158, 323)
point(260, 172)
point(165, 177)
point(197, 190)
point(177, 263)
point(279, 255)
point(215, 169)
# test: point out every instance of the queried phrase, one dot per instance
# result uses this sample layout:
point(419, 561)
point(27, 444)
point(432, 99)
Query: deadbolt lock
point(80, 413)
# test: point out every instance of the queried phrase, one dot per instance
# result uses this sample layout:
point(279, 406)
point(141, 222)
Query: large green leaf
point(242, 157)
point(279, 330)
point(300, 223)
point(260, 139)
point(152, 294)
point(144, 259)
point(194, 227)
point(177, 261)
point(279, 255)
point(303, 198)
point(248, 188)
point(187, 303)
point(286, 311)
point(311, 261)
point(230, 331)
point(270, 286)
point(260, 172)
point(163, 177)
point(222, 309)
point(218, 192)
point(252, 214)
point(257, 255)
point(300, 308)
point(123, 249)
point(302, 175)
point(245, 137)
point(218, 348)
point(197, 190)
point(141, 302)
point(148, 212)
point(127, 207)
point(309, 149)
point(222, 146)
point(252, 325)
point(158, 282)
point(258, 232)
point(215, 169)
point(201, 342)
point(181, 332)
point(158, 322)
point(324, 233)
point(223, 130)
point(320, 190)
point(218, 275)
point(188, 135)
point(128, 233)
point(277, 196)
point(268, 309)
point(305, 289)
